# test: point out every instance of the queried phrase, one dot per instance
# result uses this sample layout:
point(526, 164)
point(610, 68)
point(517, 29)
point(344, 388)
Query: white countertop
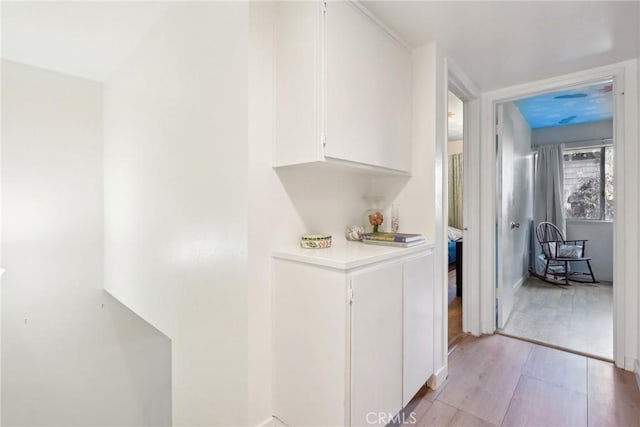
point(345, 255)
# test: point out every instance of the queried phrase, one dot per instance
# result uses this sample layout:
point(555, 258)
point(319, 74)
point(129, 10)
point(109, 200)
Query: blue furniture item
point(452, 252)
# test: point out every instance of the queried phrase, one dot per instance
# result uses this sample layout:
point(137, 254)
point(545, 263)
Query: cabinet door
point(297, 81)
point(310, 326)
point(368, 90)
point(376, 344)
point(418, 298)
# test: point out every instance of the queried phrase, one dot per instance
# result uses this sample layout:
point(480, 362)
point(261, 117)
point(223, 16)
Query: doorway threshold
point(555, 347)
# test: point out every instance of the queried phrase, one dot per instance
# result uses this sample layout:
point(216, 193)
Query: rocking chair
point(559, 253)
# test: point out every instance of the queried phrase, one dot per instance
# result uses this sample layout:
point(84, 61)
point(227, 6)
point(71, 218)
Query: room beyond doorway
point(578, 318)
point(556, 165)
point(455, 180)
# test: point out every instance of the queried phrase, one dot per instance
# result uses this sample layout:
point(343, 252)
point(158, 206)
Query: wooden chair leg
point(546, 268)
point(593, 278)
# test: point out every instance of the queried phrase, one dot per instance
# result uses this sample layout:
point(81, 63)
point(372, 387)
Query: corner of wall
point(437, 379)
point(176, 186)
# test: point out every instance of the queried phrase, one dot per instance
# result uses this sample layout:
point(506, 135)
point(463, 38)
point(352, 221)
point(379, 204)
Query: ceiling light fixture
point(571, 96)
point(567, 120)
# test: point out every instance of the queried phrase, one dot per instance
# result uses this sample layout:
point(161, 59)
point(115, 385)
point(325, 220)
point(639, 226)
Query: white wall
point(421, 198)
point(417, 197)
point(71, 354)
point(176, 243)
point(599, 246)
point(424, 198)
point(630, 233)
point(261, 212)
point(576, 133)
point(455, 147)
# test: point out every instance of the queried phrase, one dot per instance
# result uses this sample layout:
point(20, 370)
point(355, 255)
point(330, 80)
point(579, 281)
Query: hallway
point(500, 381)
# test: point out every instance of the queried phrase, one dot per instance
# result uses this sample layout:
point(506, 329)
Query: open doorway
point(455, 148)
point(556, 166)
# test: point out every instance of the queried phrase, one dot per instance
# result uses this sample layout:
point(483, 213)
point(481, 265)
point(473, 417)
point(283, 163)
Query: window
point(588, 183)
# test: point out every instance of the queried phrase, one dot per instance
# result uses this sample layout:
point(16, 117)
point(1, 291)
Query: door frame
point(461, 86)
point(625, 293)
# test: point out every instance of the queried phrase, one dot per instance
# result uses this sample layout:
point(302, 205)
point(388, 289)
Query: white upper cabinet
point(343, 89)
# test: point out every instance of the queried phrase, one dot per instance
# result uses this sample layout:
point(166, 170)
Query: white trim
point(637, 371)
point(624, 75)
point(516, 286)
point(441, 206)
point(584, 144)
point(266, 422)
point(272, 422)
point(589, 221)
point(520, 282)
point(379, 23)
point(630, 364)
point(437, 379)
point(499, 235)
point(465, 90)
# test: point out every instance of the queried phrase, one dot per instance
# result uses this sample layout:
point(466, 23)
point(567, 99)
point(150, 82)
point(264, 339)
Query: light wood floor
point(578, 317)
point(501, 381)
point(455, 310)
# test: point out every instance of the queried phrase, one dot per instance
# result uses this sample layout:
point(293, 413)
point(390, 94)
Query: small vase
point(373, 220)
point(395, 218)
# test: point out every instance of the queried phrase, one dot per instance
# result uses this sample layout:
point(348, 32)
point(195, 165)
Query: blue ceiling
point(570, 107)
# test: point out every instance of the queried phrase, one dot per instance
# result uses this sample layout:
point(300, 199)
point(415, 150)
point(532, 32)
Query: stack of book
point(402, 240)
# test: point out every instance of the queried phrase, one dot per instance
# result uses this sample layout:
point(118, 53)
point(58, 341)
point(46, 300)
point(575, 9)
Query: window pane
point(582, 183)
point(608, 183)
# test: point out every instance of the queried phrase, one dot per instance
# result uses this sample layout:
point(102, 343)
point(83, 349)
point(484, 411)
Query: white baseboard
point(520, 281)
point(437, 379)
point(630, 364)
point(265, 423)
point(637, 371)
point(488, 328)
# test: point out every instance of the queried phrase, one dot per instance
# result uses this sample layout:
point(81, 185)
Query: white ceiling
point(496, 43)
point(499, 44)
point(85, 39)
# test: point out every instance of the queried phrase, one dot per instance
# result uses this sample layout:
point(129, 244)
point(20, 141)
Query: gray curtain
point(549, 187)
point(548, 203)
point(455, 190)
point(548, 200)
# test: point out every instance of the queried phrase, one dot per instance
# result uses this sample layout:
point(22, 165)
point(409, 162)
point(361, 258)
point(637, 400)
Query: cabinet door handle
point(515, 225)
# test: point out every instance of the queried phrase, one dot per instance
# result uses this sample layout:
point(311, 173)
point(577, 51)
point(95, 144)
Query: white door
point(376, 344)
point(419, 302)
point(514, 190)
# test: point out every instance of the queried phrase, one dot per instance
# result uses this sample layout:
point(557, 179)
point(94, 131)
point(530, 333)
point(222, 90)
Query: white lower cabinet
point(351, 345)
point(418, 324)
point(376, 343)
